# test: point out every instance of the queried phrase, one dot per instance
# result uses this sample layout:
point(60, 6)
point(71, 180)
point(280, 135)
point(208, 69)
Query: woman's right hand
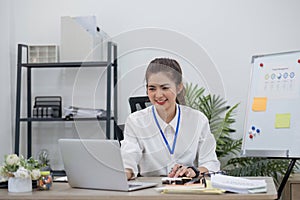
point(177, 171)
point(180, 170)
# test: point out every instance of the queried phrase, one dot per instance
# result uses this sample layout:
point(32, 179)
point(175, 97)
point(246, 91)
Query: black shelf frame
point(63, 119)
point(112, 68)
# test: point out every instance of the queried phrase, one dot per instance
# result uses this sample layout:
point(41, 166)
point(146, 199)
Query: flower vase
point(19, 184)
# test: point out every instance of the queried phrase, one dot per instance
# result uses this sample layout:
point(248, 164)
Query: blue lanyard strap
point(162, 133)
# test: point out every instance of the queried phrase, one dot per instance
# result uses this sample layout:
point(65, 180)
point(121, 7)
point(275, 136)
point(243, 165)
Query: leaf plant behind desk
point(221, 119)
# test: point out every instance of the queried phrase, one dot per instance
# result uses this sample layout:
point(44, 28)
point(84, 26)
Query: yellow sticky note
point(259, 104)
point(283, 120)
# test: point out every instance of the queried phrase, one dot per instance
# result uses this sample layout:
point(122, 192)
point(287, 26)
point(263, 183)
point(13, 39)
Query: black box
point(47, 107)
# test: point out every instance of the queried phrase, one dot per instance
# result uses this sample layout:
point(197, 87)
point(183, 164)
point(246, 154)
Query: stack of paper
point(61, 179)
point(73, 111)
point(238, 184)
point(188, 189)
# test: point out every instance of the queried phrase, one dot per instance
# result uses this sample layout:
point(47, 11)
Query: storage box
point(292, 188)
point(82, 40)
point(43, 53)
point(47, 107)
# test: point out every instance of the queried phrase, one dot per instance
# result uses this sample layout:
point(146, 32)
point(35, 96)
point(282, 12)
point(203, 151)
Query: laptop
point(96, 164)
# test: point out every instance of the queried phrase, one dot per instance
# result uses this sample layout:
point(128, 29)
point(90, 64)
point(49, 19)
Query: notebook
point(96, 164)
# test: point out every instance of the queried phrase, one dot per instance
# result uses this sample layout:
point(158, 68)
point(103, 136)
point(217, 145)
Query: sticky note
point(259, 104)
point(283, 120)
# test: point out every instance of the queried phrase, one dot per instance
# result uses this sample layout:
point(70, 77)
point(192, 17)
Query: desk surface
point(64, 192)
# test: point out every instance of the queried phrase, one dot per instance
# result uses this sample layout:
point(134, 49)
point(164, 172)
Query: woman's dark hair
point(172, 68)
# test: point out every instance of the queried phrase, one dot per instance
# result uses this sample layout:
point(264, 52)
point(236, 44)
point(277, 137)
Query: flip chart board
point(272, 121)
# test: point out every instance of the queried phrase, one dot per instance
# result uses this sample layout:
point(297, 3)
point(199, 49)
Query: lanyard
point(162, 133)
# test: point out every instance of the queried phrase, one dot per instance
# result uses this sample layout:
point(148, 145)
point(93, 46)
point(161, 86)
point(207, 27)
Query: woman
point(167, 139)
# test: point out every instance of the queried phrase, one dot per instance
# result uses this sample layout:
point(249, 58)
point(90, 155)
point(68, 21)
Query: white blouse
point(145, 151)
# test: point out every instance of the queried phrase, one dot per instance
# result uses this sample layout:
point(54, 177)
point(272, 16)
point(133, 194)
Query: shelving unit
point(111, 66)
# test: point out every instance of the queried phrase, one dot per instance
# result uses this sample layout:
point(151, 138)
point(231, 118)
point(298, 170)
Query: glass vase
point(19, 184)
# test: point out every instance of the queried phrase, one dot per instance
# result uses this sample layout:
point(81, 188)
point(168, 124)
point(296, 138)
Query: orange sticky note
point(259, 104)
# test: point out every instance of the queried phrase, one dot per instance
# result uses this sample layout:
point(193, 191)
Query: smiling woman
point(168, 138)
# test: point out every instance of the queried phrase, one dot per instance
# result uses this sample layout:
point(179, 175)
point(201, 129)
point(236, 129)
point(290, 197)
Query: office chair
point(119, 132)
point(138, 103)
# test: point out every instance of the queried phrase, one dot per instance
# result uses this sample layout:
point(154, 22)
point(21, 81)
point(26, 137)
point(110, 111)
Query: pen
point(194, 180)
point(198, 180)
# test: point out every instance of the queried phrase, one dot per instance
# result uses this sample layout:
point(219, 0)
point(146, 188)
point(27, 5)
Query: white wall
point(5, 80)
point(213, 40)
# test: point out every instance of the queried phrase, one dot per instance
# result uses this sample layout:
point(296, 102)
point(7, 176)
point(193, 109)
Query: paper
point(61, 179)
point(189, 189)
point(73, 111)
point(259, 104)
point(238, 184)
point(283, 120)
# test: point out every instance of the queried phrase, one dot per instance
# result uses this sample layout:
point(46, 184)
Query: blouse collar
point(172, 123)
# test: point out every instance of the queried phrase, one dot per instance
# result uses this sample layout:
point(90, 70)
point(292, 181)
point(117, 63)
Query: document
point(73, 111)
point(238, 184)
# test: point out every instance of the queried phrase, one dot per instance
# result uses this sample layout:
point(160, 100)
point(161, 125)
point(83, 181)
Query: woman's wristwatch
point(197, 172)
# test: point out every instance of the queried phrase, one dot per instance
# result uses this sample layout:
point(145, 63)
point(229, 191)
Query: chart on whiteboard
point(278, 81)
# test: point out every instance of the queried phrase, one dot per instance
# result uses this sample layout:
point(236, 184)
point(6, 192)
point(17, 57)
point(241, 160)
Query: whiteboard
point(272, 121)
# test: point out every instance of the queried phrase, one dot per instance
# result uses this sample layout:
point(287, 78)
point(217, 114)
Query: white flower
point(2, 179)
point(35, 174)
point(22, 173)
point(19, 167)
point(12, 159)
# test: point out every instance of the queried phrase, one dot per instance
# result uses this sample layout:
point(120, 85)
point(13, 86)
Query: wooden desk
point(64, 192)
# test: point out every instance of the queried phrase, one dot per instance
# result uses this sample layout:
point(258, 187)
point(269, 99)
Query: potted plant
point(221, 119)
point(44, 161)
point(19, 172)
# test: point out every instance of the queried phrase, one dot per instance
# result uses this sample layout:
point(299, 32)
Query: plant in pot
point(43, 157)
point(19, 172)
point(221, 119)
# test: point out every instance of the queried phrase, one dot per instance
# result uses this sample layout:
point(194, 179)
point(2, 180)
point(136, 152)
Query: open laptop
point(96, 164)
